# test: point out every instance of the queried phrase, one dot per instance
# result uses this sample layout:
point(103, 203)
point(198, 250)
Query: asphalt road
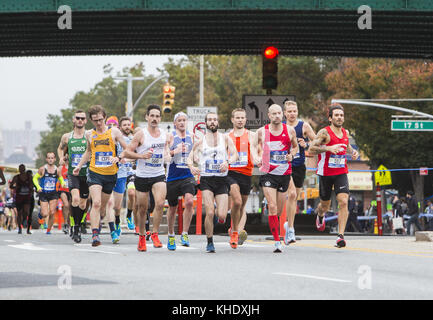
point(41, 266)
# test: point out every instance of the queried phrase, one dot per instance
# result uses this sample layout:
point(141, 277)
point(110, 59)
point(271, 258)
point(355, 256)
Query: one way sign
point(257, 108)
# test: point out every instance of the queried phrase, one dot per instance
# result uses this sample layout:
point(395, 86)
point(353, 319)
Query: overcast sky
point(31, 88)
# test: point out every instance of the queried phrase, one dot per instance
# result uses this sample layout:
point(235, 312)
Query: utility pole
point(129, 105)
point(201, 104)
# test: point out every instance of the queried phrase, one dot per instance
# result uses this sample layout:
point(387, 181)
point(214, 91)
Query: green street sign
point(412, 125)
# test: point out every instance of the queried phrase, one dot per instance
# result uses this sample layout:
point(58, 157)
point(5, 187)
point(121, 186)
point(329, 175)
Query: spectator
point(397, 211)
point(429, 210)
point(352, 221)
point(413, 211)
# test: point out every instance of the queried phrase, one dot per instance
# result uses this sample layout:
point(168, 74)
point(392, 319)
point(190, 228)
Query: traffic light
point(270, 68)
point(168, 98)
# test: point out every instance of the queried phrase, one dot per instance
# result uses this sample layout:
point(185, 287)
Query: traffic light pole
point(147, 89)
point(129, 79)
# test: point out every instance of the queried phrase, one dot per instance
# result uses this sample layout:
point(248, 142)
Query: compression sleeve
point(62, 181)
point(36, 181)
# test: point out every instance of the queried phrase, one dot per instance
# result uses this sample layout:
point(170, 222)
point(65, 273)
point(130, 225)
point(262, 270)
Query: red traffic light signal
point(271, 52)
point(270, 68)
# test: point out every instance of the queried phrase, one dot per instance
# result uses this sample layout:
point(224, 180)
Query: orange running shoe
point(234, 238)
point(142, 243)
point(155, 240)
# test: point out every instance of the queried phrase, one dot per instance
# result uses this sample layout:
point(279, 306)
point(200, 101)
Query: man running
point(74, 144)
point(65, 196)
point(102, 172)
point(212, 152)
point(277, 145)
point(304, 133)
point(150, 147)
point(122, 175)
point(240, 172)
point(180, 181)
point(331, 145)
point(22, 186)
point(45, 181)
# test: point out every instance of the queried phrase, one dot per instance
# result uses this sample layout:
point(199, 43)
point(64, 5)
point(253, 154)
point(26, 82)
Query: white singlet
point(154, 166)
point(212, 158)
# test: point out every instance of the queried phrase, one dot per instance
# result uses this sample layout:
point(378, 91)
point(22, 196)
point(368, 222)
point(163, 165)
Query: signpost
point(412, 125)
point(256, 107)
point(197, 114)
point(382, 178)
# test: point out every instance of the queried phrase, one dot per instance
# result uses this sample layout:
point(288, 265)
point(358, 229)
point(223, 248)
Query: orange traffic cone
point(376, 228)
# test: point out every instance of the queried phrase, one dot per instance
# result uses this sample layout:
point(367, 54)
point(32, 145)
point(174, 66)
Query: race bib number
point(213, 166)
point(49, 184)
point(337, 161)
point(242, 160)
point(24, 191)
point(102, 159)
point(76, 158)
point(155, 161)
point(278, 157)
point(182, 162)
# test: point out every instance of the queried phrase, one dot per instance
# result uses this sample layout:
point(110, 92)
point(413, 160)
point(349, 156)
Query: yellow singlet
point(103, 147)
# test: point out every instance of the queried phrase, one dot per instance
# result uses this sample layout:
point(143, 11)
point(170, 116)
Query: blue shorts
point(120, 186)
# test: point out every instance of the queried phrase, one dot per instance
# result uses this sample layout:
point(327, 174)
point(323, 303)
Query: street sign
point(412, 125)
point(383, 177)
point(256, 107)
point(197, 114)
point(423, 171)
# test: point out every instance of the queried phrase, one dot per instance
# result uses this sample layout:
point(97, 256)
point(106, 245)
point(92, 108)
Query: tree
point(386, 79)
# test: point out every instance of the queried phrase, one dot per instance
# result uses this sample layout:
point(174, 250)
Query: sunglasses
point(80, 118)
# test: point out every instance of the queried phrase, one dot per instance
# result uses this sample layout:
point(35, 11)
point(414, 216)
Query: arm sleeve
point(36, 181)
point(61, 180)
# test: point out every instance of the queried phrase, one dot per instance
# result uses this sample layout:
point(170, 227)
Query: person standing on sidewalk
point(413, 211)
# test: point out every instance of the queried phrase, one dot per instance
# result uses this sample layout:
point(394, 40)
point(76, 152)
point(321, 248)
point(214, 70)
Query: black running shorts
point(218, 185)
point(242, 180)
point(339, 182)
point(145, 184)
point(80, 183)
point(177, 188)
point(298, 175)
point(281, 183)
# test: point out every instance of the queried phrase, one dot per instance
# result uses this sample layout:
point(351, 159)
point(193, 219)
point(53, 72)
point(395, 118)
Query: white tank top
point(212, 158)
point(154, 166)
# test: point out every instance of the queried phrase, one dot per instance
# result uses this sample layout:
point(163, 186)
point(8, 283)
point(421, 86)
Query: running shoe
point(147, 235)
point(234, 238)
point(171, 245)
point(141, 243)
point(20, 231)
point(83, 228)
point(210, 247)
point(96, 241)
point(48, 231)
point(28, 231)
point(320, 226)
point(118, 229)
point(184, 240)
point(130, 224)
point(242, 237)
point(114, 237)
point(76, 238)
point(278, 247)
point(289, 236)
point(340, 241)
point(155, 240)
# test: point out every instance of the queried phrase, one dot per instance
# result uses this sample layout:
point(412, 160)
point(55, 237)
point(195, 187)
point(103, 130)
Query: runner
point(47, 176)
point(211, 153)
point(74, 144)
point(180, 181)
point(277, 145)
point(22, 186)
point(331, 145)
point(124, 168)
point(240, 172)
point(65, 196)
point(102, 172)
point(150, 147)
point(304, 133)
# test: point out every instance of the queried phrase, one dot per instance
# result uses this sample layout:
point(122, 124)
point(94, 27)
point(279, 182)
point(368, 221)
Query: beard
point(213, 129)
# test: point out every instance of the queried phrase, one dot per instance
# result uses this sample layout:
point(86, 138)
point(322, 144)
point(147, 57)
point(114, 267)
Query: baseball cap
point(180, 114)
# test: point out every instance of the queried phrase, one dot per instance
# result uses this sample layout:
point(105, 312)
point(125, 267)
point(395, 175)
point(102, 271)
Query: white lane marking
point(98, 251)
point(9, 241)
point(27, 246)
point(311, 277)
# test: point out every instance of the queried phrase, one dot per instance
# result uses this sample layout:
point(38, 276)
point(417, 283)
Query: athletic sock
point(129, 213)
point(76, 213)
point(111, 225)
point(209, 240)
point(273, 225)
point(117, 220)
point(95, 232)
